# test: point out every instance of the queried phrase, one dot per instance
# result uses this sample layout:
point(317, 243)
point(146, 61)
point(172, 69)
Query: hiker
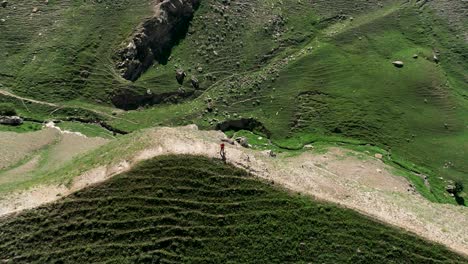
point(222, 152)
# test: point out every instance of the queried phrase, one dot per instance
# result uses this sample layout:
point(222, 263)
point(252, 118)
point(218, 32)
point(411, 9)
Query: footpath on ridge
point(338, 176)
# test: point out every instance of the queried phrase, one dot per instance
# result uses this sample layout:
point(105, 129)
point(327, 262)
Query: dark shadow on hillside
point(179, 35)
point(460, 200)
point(249, 124)
point(155, 38)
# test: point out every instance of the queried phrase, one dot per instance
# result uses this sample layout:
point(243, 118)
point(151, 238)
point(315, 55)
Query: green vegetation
point(189, 209)
point(124, 147)
point(23, 128)
point(41, 112)
point(7, 109)
point(89, 130)
point(62, 50)
point(309, 71)
point(329, 78)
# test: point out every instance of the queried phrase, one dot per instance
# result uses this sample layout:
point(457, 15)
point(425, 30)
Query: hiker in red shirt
point(222, 152)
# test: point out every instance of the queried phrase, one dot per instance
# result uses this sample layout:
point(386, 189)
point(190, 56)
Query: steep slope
point(354, 180)
point(313, 72)
point(193, 209)
point(307, 71)
point(60, 50)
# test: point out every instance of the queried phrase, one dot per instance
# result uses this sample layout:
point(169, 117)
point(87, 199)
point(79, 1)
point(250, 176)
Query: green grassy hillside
point(61, 52)
point(308, 71)
point(185, 209)
point(314, 72)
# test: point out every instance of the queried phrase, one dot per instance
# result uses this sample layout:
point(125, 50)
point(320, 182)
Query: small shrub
point(458, 187)
point(7, 109)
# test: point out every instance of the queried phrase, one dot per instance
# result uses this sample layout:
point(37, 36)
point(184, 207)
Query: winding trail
point(339, 176)
point(9, 94)
point(58, 106)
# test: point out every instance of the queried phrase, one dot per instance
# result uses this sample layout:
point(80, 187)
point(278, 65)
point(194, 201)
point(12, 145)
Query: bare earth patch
point(20, 171)
point(22, 160)
point(70, 146)
point(15, 147)
point(362, 185)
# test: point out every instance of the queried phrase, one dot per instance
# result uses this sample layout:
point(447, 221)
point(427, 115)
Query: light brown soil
point(15, 147)
point(70, 146)
point(20, 171)
point(62, 147)
point(362, 185)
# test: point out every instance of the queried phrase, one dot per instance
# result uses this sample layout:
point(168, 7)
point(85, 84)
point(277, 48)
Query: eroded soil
point(339, 176)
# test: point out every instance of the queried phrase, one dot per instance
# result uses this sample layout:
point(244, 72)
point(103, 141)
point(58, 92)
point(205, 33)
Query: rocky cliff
point(154, 38)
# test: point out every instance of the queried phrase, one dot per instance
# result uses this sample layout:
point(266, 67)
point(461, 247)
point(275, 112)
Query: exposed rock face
point(450, 188)
point(155, 37)
point(180, 76)
point(195, 82)
point(435, 57)
point(11, 120)
point(243, 141)
point(398, 64)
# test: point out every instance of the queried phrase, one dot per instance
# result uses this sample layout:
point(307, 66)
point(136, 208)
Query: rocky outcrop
point(398, 64)
point(249, 124)
point(243, 141)
point(11, 120)
point(195, 82)
point(155, 37)
point(180, 76)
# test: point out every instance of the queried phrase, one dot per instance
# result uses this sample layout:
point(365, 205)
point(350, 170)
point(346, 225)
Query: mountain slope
point(193, 209)
point(307, 71)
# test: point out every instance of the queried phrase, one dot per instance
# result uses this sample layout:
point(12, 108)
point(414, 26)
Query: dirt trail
point(6, 93)
point(9, 94)
point(362, 185)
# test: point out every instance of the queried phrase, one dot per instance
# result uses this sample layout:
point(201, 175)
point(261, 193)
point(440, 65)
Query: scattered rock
point(4, 4)
point(435, 58)
point(35, 10)
point(11, 120)
point(415, 56)
point(451, 189)
point(228, 140)
point(271, 153)
point(378, 156)
point(209, 106)
point(180, 76)
point(195, 82)
point(243, 141)
point(398, 64)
